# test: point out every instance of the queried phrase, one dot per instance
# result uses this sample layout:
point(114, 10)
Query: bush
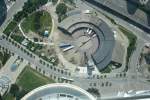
point(21, 94)
point(20, 15)
point(14, 90)
point(29, 7)
point(32, 5)
point(94, 91)
point(11, 26)
point(61, 9)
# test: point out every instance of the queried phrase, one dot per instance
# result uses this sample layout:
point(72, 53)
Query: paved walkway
point(118, 83)
point(112, 90)
point(7, 71)
point(43, 43)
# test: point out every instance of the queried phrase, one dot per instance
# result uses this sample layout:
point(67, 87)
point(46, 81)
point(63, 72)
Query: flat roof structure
point(102, 56)
point(58, 91)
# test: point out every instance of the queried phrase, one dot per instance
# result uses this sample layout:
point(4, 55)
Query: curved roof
point(103, 54)
point(71, 91)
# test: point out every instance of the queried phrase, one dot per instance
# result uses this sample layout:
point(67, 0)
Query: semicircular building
point(99, 29)
point(58, 91)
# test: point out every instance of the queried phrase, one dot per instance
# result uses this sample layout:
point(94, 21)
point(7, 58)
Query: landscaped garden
point(27, 81)
point(37, 22)
point(30, 79)
point(17, 35)
point(10, 28)
point(29, 7)
point(61, 11)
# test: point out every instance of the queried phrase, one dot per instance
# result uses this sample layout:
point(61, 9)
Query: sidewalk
point(7, 71)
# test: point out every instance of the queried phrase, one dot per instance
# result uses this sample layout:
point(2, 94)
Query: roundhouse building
point(103, 54)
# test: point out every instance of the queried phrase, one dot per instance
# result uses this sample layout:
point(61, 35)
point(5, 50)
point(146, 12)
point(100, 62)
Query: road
point(77, 80)
point(9, 76)
point(119, 84)
point(125, 11)
point(33, 60)
point(142, 36)
point(137, 31)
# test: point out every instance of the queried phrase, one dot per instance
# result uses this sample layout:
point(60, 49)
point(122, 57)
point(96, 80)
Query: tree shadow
point(3, 11)
point(131, 8)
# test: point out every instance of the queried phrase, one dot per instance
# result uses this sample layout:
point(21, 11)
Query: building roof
point(102, 30)
point(56, 91)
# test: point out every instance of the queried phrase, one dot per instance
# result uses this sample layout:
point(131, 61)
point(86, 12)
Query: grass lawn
point(37, 22)
point(132, 43)
point(27, 81)
point(30, 79)
point(10, 28)
point(17, 35)
point(18, 38)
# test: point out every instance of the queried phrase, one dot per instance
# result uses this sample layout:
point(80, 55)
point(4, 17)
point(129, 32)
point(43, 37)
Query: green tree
point(61, 9)
point(94, 91)
point(1, 97)
point(20, 15)
point(21, 94)
point(29, 7)
point(32, 5)
point(14, 90)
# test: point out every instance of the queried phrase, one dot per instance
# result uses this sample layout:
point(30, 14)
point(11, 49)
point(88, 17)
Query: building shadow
point(3, 11)
point(148, 18)
point(131, 8)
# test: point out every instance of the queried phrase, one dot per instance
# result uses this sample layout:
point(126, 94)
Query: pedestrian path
point(12, 74)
